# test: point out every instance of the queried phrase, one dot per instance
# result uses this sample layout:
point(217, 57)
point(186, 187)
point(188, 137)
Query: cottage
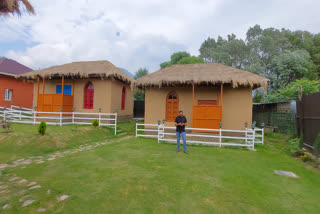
point(207, 93)
point(14, 91)
point(84, 86)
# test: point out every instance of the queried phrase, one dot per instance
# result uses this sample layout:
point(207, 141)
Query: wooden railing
point(53, 102)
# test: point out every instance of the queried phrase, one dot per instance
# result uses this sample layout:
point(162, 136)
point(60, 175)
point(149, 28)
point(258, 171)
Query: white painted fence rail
point(58, 118)
point(245, 138)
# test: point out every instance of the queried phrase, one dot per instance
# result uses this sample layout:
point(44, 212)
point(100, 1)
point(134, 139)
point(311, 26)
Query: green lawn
point(136, 175)
point(25, 141)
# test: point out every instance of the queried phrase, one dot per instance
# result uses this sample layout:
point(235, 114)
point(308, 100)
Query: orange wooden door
point(206, 116)
point(172, 106)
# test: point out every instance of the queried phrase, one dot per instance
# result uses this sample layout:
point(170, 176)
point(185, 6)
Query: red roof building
point(14, 91)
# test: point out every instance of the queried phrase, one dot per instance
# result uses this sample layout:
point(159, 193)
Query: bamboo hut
point(207, 93)
point(84, 87)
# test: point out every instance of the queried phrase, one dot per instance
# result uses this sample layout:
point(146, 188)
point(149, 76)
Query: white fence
point(215, 137)
point(58, 118)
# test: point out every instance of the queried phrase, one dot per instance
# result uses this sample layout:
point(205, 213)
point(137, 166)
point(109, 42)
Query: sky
point(137, 33)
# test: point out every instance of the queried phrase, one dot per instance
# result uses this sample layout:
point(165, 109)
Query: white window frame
point(8, 94)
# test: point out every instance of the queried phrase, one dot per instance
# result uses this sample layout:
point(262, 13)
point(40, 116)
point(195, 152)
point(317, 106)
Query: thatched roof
point(201, 74)
point(95, 69)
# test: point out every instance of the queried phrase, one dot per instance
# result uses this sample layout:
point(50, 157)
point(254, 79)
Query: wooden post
point(221, 94)
point(192, 105)
point(62, 87)
point(72, 87)
point(192, 94)
point(221, 103)
point(43, 82)
point(38, 87)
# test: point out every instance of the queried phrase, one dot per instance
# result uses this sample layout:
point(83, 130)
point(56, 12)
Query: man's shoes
point(186, 152)
point(178, 150)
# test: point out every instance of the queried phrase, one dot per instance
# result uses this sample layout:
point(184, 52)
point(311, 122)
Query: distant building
point(208, 94)
point(289, 106)
point(88, 86)
point(14, 91)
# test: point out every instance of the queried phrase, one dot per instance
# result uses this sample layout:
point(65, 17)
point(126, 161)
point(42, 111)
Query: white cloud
point(150, 31)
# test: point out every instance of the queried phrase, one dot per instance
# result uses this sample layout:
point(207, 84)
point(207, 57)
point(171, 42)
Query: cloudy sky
point(139, 33)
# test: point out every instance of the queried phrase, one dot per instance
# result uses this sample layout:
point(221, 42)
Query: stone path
point(22, 163)
point(25, 187)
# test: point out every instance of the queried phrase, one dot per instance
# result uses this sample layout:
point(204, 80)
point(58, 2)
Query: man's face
point(180, 113)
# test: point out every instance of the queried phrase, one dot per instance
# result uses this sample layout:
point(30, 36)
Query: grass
point(24, 141)
point(139, 175)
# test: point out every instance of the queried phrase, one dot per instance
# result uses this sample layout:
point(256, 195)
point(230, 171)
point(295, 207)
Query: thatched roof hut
point(201, 74)
point(89, 69)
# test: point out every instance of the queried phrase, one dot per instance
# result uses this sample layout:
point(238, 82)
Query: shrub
point(42, 128)
point(95, 123)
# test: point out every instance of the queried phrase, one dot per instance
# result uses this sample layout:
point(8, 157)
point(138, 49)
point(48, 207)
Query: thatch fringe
point(202, 74)
point(90, 69)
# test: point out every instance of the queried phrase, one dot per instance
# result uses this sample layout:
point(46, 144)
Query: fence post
point(253, 135)
point(158, 131)
point(73, 109)
point(115, 124)
point(99, 117)
point(115, 121)
point(34, 113)
point(19, 112)
point(4, 113)
point(163, 121)
point(220, 135)
point(262, 133)
point(61, 116)
point(136, 127)
point(246, 133)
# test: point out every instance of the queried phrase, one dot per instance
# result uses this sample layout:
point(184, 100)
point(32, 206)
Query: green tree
point(291, 92)
point(191, 60)
point(181, 57)
point(290, 66)
point(137, 93)
point(230, 51)
point(140, 73)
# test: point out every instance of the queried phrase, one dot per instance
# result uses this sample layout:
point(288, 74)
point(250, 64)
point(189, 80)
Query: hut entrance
point(207, 114)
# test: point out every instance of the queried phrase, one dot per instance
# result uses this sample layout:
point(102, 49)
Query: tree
point(290, 66)
point(191, 60)
point(140, 73)
point(137, 93)
point(14, 7)
point(181, 57)
point(230, 51)
point(292, 91)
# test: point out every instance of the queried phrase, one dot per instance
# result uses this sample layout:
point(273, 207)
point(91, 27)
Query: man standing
point(180, 123)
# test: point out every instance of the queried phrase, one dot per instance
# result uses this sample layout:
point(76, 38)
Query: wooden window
point(172, 106)
point(7, 94)
point(88, 96)
point(123, 98)
point(207, 102)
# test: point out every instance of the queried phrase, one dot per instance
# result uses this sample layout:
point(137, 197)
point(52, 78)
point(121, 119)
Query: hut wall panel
point(237, 104)
point(116, 99)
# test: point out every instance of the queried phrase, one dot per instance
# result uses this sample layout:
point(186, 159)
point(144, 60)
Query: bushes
point(95, 123)
point(42, 128)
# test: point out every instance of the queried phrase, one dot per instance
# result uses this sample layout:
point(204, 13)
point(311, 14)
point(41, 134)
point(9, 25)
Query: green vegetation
point(42, 128)
point(95, 123)
point(139, 175)
point(182, 57)
point(139, 94)
point(24, 140)
point(283, 56)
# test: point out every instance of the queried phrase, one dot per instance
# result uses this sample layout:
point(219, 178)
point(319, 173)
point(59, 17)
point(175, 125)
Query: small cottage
point(14, 91)
point(84, 87)
point(207, 93)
